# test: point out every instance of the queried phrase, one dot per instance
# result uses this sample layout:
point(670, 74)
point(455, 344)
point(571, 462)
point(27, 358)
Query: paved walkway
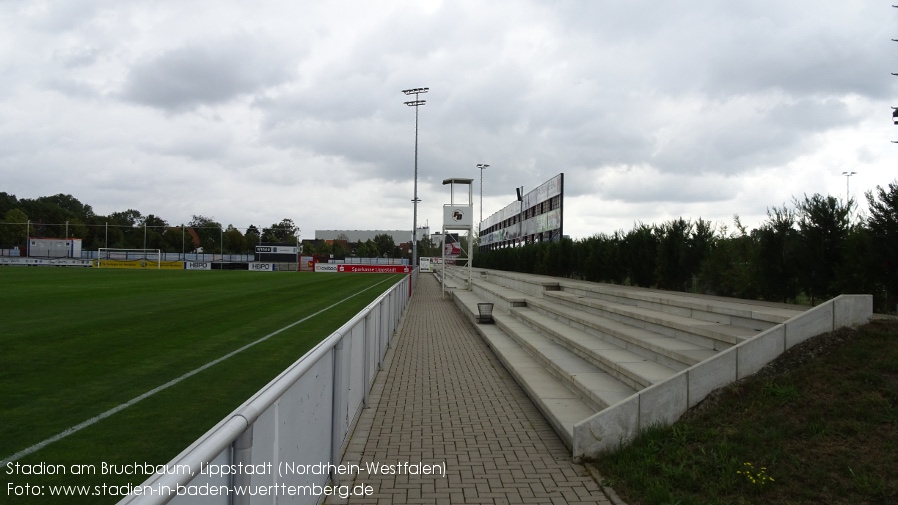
point(443, 397)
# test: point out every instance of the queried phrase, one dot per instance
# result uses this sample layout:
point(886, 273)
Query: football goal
point(148, 258)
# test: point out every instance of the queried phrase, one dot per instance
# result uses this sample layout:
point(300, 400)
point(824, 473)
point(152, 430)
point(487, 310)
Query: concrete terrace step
point(711, 334)
point(660, 347)
point(577, 347)
point(556, 399)
point(596, 386)
point(664, 349)
point(756, 315)
point(499, 295)
point(626, 366)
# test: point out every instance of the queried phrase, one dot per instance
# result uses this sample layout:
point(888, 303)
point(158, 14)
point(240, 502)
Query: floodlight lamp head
point(482, 165)
point(415, 91)
point(415, 103)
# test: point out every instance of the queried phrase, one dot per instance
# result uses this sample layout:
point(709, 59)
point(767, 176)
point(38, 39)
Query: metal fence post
point(367, 354)
point(242, 453)
point(337, 396)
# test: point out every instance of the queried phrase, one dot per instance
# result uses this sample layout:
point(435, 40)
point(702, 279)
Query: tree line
point(807, 252)
point(64, 216)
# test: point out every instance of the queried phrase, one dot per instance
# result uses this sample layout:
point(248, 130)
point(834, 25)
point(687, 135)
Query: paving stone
point(443, 396)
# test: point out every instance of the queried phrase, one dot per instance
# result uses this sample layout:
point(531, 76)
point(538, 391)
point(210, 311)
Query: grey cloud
point(72, 87)
point(643, 184)
point(206, 74)
point(77, 56)
point(54, 17)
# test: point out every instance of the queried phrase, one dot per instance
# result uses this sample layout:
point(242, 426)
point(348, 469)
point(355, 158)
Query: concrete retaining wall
point(666, 401)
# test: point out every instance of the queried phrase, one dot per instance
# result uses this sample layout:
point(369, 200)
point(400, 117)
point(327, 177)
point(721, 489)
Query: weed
point(755, 477)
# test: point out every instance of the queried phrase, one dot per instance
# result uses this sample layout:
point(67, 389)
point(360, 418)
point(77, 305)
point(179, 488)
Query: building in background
point(537, 216)
point(355, 236)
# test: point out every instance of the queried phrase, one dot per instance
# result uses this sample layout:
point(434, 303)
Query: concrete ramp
point(602, 362)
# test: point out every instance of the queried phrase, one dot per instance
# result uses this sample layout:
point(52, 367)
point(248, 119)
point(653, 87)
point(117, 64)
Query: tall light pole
point(481, 166)
point(847, 193)
point(415, 103)
point(847, 178)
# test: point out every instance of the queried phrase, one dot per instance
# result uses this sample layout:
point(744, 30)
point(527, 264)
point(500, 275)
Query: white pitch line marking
point(93, 420)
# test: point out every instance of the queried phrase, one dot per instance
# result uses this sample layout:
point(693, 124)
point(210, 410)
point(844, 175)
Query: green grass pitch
point(75, 343)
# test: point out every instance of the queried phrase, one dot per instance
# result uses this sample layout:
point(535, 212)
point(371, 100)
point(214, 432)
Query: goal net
point(148, 258)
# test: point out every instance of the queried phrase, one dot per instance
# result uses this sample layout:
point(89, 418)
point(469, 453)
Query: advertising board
point(374, 269)
point(49, 262)
point(150, 264)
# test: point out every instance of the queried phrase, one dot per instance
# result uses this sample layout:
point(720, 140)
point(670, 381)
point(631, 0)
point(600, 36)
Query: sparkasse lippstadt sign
point(357, 268)
point(374, 269)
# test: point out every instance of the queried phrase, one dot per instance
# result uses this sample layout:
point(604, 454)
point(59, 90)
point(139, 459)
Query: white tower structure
point(458, 216)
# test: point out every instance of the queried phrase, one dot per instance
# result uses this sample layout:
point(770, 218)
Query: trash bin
point(485, 313)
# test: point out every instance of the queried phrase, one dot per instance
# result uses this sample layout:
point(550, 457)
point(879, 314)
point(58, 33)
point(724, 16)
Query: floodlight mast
point(481, 166)
point(894, 109)
point(415, 103)
point(848, 175)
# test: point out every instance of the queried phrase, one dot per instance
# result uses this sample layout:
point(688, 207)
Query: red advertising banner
point(374, 269)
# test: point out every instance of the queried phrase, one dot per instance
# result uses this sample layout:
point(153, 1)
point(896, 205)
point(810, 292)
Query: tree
point(727, 268)
point(154, 227)
point(176, 239)
point(14, 230)
point(640, 247)
point(340, 246)
point(281, 233)
point(386, 245)
point(209, 232)
point(672, 269)
point(777, 258)
point(823, 223)
point(366, 249)
point(427, 247)
point(7, 203)
point(316, 247)
point(883, 226)
point(123, 231)
point(72, 207)
point(235, 242)
point(128, 217)
point(251, 239)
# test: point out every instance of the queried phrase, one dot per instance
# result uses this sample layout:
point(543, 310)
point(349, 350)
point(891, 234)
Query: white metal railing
point(302, 417)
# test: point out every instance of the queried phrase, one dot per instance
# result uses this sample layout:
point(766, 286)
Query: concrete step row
point(672, 339)
point(554, 393)
point(756, 315)
point(664, 349)
point(577, 348)
point(710, 334)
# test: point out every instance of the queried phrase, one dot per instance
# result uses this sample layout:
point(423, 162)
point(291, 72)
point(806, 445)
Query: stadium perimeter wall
point(666, 401)
point(319, 398)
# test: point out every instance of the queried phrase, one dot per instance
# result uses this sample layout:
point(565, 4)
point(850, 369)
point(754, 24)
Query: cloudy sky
point(251, 112)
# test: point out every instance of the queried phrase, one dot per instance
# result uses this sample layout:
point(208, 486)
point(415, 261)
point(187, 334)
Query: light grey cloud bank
point(251, 113)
